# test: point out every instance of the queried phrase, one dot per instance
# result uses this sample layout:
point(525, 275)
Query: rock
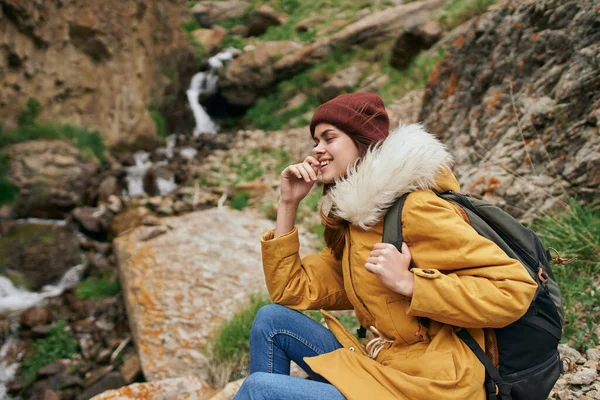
point(87, 70)
point(239, 30)
point(107, 188)
point(95, 375)
point(585, 377)
point(511, 110)
point(127, 220)
point(308, 24)
point(93, 221)
point(343, 82)
point(56, 367)
point(229, 391)
point(569, 353)
point(112, 380)
point(373, 83)
point(412, 41)
point(166, 206)
point(40, 253)
point(50, 175)
point(131, 368)
point(188, 387)
point(172, 315)
point(593, 354)
point(64, 380)
point(406, 109)
point(149, 233)
point(36, 316)
point(210, 38)
point(262, 19)
point(151, 220)
point(254, 74)
point(46, 394)
point(208, 12)
point(251, 74)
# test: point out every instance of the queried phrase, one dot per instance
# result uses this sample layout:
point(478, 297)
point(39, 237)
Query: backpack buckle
point(542, 275)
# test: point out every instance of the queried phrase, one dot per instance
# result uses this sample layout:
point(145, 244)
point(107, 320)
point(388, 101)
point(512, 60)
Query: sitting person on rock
point(457, 278)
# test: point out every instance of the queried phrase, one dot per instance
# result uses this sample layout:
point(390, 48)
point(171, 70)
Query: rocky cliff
point(97, 64)
point(517, 101)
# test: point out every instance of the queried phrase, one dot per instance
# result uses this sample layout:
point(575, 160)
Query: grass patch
point(576, 232)
point(59, 343)
point(455, 12)
point(232, 345)
point(200, 52)
point(94, 288)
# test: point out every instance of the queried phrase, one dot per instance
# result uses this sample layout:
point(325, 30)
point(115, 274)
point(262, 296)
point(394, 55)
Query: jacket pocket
point(405, 328)
point(436, 365)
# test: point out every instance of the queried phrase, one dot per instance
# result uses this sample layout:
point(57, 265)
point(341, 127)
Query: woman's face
point(335, 150)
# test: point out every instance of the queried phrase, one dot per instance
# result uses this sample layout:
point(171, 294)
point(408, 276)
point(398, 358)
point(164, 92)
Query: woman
point(458, 278)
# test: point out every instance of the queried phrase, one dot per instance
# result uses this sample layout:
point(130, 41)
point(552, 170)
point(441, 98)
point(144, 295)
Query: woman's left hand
point(391, 267)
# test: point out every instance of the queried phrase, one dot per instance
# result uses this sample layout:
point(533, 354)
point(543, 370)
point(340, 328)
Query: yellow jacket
point(461, 279)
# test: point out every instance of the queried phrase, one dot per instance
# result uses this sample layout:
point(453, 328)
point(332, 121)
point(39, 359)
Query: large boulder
point(262, 19)
point(188, 387)
point(51, 177)
point(516, 101)
point(181, 284)
point(253, 75)
point(343, 82)
point(98, 64)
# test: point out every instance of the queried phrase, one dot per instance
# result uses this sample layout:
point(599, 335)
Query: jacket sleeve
point(314, 282)
point(461, 278)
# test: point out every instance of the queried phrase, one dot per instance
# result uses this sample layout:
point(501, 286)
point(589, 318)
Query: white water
point(135, 173)
point(206, 83)
point(14, 300)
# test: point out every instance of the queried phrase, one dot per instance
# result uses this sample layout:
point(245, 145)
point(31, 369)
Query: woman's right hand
point(298, 179)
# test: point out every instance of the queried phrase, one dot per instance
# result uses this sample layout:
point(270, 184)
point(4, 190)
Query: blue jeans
point(280, 335)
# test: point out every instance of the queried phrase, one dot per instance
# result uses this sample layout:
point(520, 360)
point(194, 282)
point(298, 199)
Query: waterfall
point(135, 173)
point(206, 83)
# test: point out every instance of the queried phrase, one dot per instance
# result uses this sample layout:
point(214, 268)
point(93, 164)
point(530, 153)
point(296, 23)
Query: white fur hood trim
point(408, 160)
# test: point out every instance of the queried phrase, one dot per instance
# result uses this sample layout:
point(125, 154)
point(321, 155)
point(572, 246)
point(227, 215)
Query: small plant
point(8, 191)
point(94, 288)
point(59, 343)
point(29, 115)
point(239, 201)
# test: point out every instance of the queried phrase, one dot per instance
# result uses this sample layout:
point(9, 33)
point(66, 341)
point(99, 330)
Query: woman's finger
point(294, 170)
point(303, 172)
point(405, 249)
point(313, 161)
point(372, 268)
point(310, 169)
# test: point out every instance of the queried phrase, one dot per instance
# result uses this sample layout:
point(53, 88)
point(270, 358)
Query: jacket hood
point(409, 159)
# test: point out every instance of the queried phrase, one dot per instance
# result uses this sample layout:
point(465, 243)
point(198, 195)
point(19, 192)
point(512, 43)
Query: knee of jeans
point(257, 382)
point(263, 322)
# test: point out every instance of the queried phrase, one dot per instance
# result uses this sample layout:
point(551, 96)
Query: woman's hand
point(298, 179)
point(391, 267)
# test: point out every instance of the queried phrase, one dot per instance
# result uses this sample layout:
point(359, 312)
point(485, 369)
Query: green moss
point(97, 288)
point(59, 343)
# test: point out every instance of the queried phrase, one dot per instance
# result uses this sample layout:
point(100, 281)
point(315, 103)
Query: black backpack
point(528, 361)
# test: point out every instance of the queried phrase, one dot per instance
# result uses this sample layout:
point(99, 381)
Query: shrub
point(59, 343)
point(159, 119)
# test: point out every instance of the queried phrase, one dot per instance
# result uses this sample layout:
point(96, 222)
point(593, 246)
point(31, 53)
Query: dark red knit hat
point(361, 114)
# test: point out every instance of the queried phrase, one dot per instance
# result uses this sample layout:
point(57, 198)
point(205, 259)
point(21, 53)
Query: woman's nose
point(318, 149)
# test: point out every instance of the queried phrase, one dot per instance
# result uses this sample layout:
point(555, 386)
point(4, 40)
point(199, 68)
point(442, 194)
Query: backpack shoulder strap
point(392, 224)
